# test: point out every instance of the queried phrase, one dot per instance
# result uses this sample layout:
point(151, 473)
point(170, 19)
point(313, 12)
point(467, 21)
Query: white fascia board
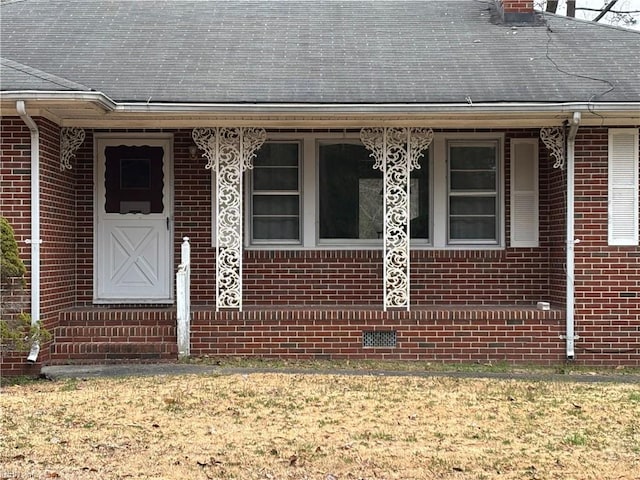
point(379, 108)
point(61, 98)
point(103, 111)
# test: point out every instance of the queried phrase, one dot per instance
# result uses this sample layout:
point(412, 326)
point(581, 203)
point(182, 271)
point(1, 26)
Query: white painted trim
point(439, 206)
point(535, 192)
point(629, 185)
point(309, 176)
point(109, 104)
point(101, 140)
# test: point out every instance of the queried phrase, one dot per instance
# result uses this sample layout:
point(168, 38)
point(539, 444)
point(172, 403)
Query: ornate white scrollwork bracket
point(396, 152)
point(554, 139)
point(70, 140)
point(229, 152)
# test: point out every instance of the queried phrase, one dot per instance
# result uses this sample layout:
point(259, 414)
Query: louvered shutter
point(524, 192)
point(623, 186)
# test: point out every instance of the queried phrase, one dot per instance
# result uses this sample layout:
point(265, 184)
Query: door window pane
point(134, 179)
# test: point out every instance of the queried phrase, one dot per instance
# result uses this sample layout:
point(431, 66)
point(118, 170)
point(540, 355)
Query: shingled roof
point(331, 52)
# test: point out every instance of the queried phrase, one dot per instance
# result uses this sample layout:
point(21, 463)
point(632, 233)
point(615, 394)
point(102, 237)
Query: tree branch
point(586, 9)
point(605, 10)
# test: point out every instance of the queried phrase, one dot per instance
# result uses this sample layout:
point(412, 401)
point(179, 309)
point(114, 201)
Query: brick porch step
point(114, 335)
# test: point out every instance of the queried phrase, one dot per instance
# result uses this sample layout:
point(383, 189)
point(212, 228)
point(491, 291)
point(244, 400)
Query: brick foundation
point(515, 335)
point(449, 335)
point(14, 364)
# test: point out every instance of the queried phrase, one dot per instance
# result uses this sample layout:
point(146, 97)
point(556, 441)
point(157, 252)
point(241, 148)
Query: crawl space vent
point(379, 339)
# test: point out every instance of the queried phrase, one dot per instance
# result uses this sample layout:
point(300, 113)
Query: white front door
point(132, 248)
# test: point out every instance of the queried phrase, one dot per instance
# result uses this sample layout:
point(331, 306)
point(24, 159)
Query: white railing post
point(183, 300)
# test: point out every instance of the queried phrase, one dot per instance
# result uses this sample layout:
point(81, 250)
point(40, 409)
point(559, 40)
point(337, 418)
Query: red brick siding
point(57, 227)
point(15, 168)
point(354, 277)
point(517, 6)
point(607, 279)
point(13, 364)
point(440, 334)
point(84, 171)
point(15, 165)
point(193, 215)
point(57, 213)
point(553, 200)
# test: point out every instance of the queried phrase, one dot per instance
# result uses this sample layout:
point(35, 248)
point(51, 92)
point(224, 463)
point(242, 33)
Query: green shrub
point(10, 263)
point(18, 334)
point(16, 330)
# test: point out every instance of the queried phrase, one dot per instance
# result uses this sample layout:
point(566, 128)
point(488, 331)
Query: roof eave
point(94, 109)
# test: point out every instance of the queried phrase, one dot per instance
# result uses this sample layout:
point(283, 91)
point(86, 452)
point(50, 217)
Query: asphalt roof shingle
point(313, 52)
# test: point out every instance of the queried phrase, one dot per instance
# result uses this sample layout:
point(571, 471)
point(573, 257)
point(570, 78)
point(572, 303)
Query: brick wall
point(512, 334)
point(554, 200)
point(439, 334)
point(57, 215)
point(354, 277)
point(15, 168)
point(57, 227)
point(84, 175)
point(607, 279)
point(517, 6)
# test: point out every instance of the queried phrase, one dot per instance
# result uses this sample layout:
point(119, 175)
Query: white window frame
point(300, 192)
point(438, 195)
point(440, 187)
point(475, 193)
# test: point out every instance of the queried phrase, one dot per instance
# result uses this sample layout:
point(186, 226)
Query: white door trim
point(102, 140)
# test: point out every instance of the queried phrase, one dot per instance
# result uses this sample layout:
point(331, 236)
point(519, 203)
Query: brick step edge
point(105, 352)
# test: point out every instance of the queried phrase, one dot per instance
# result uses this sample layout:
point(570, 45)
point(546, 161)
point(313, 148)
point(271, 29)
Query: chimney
point(516, 11)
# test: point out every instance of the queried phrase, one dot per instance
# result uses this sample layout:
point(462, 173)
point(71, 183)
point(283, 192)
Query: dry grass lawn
point(327, 427)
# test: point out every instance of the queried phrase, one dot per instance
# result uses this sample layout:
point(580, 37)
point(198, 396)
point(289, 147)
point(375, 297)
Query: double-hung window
point(275, 194)
point(473, 199)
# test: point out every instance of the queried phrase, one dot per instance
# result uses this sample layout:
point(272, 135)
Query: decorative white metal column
point(229, 152)
point(70, 140)
point(554, 139)
point(396, 152)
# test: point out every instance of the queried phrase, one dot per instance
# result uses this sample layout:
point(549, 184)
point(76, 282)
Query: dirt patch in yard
point(328, 427)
